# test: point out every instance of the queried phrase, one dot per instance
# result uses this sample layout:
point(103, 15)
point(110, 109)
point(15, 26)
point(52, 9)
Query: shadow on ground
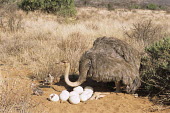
point(98, 86)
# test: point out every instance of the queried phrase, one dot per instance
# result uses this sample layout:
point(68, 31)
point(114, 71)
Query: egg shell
point(88, 88)
point(74, 99)
point(78, 89)
point(87, 93)
point(65, 92)
point(83, 97)
point(64, 96)
point(54, 97)
point(73, 93)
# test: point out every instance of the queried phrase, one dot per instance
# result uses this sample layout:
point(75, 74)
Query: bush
point(155, 70)
point(62, 7)
point(110, 7)
point(146, 31)
point(152, 7)
point(134, 6)
point(30, 5)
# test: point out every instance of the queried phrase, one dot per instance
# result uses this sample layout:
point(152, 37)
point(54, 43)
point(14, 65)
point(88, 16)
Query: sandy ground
point(112, 103)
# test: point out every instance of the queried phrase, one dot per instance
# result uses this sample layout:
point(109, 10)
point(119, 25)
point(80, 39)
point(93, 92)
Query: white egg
point(78, 89)
point(65, 92)
point(64, 96)
point(88, 88)
point(83, 97)
point(74, 99)
point(54, 97)
point(73, 93)
point(85, 92)
point(88, 93)
point(91, 91)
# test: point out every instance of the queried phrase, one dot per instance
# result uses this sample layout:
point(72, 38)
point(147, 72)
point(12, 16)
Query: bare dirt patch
point(112, 103)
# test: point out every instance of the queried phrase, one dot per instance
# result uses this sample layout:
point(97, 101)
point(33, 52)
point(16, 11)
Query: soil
point(111, 103)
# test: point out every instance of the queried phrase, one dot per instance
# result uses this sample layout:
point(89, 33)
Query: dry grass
point(146, 32)
point(37, 41)
point(15, 96)
point(41, 40)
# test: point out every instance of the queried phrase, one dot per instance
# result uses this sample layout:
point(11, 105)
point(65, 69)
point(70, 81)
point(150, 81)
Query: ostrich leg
point(98, 95)
point(117, 84)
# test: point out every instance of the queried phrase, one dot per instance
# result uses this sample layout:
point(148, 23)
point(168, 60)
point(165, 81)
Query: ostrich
point(36, 90)
point(110, 59)
point(49, 80)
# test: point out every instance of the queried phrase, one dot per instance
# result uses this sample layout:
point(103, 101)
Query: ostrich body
point(110, 59)
point(49, 80)
point(36, 90)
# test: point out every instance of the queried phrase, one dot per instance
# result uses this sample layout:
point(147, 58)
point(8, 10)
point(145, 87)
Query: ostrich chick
point(36, 90)
point(49, 80)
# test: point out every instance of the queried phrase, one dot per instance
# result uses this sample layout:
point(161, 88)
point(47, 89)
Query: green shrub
point(62, 7)
point(31, 5)
point(134, 6)
point(152, 7)
point(110, 7)
point(155, 70)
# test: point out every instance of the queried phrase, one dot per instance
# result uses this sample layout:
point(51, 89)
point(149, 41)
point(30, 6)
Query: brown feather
point(111, 59)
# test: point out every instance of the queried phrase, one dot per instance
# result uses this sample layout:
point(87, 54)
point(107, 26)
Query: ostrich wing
point(113, 59)
point(106, 69)
point(114, 47)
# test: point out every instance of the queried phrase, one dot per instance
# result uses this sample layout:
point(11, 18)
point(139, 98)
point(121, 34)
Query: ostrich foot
point(98, 95)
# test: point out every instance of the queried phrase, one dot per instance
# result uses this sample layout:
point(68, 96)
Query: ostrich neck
point(72, 84)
